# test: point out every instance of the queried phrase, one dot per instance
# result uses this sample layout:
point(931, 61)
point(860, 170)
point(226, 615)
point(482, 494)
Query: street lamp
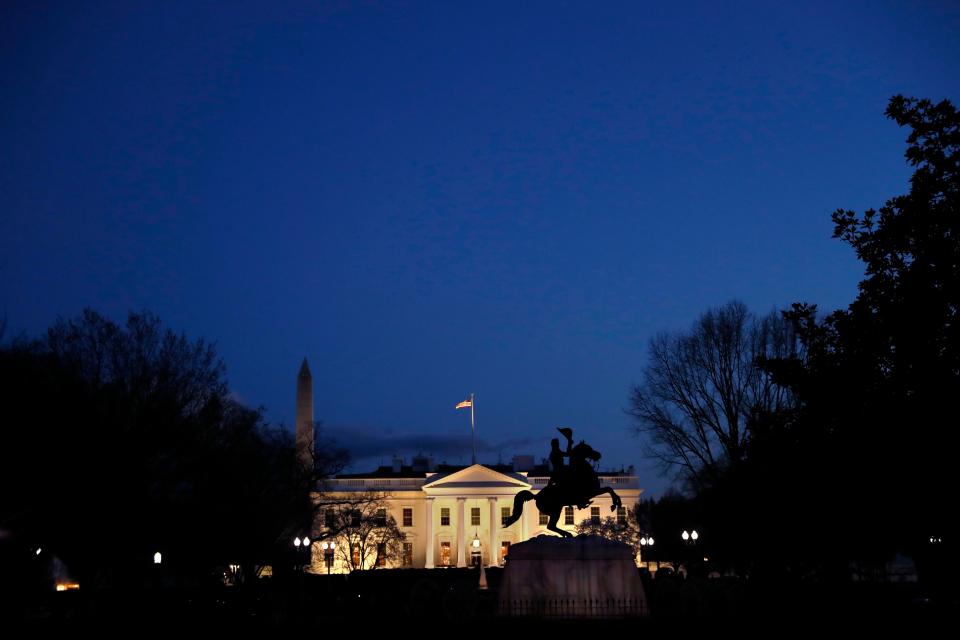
point(646, 542)
point(690, 539)
point(475, 554)
point(303, 543)
point(328, 548)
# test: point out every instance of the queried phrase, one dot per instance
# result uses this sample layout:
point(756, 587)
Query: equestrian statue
point(572, 485)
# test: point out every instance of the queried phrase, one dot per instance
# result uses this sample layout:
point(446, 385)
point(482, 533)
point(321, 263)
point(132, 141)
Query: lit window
point(408, 554)
point(504, 549)
point(595, 515)
point(504, 516)
point(444, 554)
point(356, 556)
point(475, 516)
point(445, 517)
point(568, 515)
point(621, 515)
point(407, 516)
point(382, 554)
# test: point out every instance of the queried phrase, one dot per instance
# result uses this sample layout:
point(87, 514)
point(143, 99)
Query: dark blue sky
point(428, 200)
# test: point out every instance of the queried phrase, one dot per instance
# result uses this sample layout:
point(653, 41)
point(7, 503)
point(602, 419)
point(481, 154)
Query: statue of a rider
point(573, 484)
point(576, 480)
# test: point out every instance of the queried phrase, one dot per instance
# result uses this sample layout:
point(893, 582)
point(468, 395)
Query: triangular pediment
point(476, 476)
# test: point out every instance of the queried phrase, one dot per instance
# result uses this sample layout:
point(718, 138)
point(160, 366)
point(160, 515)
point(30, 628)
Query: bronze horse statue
point(578, 485)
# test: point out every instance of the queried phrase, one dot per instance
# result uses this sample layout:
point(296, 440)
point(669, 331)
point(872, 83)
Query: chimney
point(522, 463)
point(422, 463)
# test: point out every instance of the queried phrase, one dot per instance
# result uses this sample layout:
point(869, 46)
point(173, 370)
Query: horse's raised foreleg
point(617, 503)
point(518, 501)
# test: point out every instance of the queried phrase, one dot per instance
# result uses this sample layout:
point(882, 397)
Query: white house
point(453, 516)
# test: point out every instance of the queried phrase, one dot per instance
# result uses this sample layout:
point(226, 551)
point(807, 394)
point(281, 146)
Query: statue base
point(582, 577)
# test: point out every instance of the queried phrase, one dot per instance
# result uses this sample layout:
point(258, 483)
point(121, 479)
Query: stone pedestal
point(582, 577)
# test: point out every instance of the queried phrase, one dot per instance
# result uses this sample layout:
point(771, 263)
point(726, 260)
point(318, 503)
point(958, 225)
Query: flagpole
point(473, 430)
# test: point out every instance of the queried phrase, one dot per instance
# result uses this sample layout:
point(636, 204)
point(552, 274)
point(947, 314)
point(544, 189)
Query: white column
point(429, 521)
point(461, 531)
point(524, 525)
point(494, 527)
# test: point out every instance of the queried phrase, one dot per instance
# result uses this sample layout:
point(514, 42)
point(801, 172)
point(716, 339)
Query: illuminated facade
point(447, 514)
point(453, 516)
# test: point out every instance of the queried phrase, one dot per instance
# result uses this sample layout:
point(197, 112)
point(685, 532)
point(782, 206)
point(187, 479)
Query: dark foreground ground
point(418, 603)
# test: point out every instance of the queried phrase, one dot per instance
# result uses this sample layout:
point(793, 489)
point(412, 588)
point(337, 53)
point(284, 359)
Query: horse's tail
point(518, 501)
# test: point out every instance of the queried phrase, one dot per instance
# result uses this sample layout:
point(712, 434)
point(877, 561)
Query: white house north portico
point(481, 487)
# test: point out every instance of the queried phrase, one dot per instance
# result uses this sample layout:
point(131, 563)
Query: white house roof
point(478, 477)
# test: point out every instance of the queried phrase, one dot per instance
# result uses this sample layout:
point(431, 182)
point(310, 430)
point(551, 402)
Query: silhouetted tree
point(877, 381)
point(665, 520)
point(626, 531)
point(701, 391)
point(123, 440)
point(366, 535)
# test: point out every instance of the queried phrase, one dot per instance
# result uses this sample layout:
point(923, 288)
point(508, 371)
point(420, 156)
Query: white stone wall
point(474, 497)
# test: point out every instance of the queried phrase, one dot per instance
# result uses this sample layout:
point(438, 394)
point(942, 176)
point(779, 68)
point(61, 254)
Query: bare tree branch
point(702, 390)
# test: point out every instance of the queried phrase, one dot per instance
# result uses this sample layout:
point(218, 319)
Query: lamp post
point(475, 551)
point(646, 542)
point(296, 554)
point(690, 539)
point(304, 545)
point(328, 548)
